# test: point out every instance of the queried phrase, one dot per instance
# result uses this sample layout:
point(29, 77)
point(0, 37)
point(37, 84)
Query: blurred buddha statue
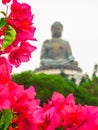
point(56, 51)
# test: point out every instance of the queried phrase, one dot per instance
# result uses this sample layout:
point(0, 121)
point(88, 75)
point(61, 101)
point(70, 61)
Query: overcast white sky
point(80, 21)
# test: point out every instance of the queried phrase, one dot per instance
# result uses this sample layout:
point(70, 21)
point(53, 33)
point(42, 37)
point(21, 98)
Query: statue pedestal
point(76, 74)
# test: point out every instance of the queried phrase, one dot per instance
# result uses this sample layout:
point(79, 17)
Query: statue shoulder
point(46, 41)
point(65, 42)
point(46, 44)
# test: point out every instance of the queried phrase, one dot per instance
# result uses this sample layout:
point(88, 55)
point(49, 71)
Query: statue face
point(56, 32)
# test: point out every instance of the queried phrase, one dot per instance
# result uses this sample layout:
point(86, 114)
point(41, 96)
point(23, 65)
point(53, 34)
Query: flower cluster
point(25, 113)
point(15, 31)
point(18, 103)
point(5, 1)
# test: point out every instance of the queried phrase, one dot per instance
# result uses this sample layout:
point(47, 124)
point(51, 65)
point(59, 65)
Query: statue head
point(56, 29)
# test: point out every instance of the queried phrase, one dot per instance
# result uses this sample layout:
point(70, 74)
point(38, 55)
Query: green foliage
point(5, 119)
point(91, 90)
point(23, 78)
point(2, 22)
point(59, 128)
point(91, 87)
point(45, 85)
point(9, 37)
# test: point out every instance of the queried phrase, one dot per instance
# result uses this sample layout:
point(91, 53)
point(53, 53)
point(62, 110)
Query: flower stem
point(6, 10)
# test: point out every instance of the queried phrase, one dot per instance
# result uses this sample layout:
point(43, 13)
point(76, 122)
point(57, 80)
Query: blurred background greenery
point(85, 93)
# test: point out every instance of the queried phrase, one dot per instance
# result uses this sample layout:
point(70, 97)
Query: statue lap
point(56, 51)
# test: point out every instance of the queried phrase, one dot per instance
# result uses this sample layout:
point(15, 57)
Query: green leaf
point(1, 119)
point(9, 37)
point(6, 119)
point(2, 22)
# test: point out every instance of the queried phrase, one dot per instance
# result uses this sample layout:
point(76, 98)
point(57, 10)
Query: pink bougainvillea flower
point(4, 93)
point(58, 97)
point(21, 20)
point(52, 118)
point(47, 119)
point(5, 70)
point(5, 1)
point(25, 31)
point(4, 61)
point(21, 54)
point(59, 101)
point(72, 117)
point(91, 122)
point(23, 104)
point(26, 124)
point(22, 101)
point(26, 46)
point(30, 92)
point(23, 122)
